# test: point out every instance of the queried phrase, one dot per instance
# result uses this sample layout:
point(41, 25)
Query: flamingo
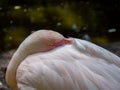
point(46, 60)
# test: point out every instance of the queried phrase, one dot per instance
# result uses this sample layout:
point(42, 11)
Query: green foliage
point(37, 14)
point(14, 36)
point(64, 15)
point(54, 16)
point(100, 40)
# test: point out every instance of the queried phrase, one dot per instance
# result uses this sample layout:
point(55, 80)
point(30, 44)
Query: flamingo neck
point(17, 58)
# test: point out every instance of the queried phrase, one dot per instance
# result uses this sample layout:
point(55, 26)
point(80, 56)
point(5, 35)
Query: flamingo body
point(78, 66)
point(46, 60)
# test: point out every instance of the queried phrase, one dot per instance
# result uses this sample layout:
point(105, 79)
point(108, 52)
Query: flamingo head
point(55, 39)
point(44, 40)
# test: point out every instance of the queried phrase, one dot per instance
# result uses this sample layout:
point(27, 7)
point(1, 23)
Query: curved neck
point(17, 58)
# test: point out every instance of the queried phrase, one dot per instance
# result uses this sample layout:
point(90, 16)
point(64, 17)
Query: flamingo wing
point(79, 66)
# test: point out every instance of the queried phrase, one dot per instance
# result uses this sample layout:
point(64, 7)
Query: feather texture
point(79, 66)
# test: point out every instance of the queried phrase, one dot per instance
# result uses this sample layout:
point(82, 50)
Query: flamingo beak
point(63, 42)
point(68, 41)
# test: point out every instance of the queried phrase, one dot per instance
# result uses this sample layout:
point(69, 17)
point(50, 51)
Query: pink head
point(54, 39)
point(44, 40)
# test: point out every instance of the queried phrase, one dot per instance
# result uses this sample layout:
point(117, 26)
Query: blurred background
point(95, 21)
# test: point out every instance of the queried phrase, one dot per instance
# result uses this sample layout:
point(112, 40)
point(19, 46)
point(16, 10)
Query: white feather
point(79, 66)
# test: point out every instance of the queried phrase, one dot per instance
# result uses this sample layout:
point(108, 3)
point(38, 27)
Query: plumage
point(80, 65)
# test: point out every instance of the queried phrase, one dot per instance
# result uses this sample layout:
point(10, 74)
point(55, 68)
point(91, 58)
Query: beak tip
point(68, 41)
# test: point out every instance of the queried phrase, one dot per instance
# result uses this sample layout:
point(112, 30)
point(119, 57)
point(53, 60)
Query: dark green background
point(19, 17)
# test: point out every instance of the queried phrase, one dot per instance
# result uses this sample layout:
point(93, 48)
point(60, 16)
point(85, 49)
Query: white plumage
point(80, 65)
